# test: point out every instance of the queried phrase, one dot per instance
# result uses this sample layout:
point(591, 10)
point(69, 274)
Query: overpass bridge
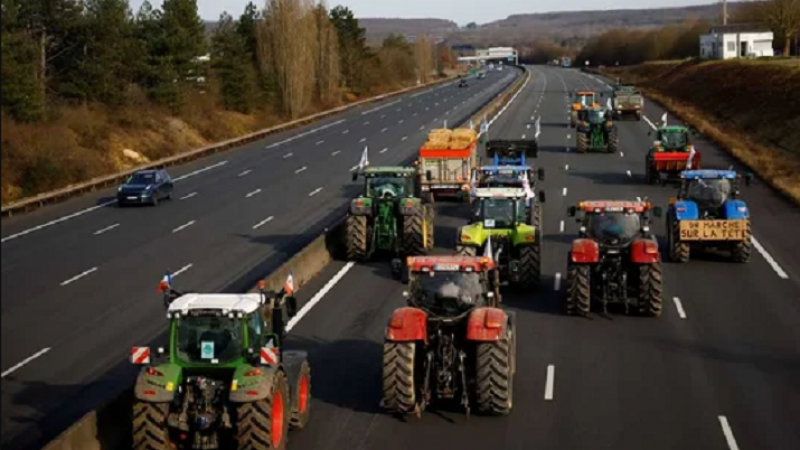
point(493, 54)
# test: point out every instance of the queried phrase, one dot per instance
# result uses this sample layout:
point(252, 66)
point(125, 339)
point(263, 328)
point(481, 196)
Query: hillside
point(378, 29)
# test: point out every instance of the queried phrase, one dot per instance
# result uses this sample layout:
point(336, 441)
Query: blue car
point(146, 187)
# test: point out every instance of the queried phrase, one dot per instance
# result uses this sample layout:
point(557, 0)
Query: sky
point(460, 11)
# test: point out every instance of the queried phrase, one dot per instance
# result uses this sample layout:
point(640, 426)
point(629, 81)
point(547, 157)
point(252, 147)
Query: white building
point(736, 41)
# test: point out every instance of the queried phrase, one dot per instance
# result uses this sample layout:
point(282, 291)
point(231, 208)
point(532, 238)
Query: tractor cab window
point(203, 340)
point(584, 99)
point(448, 293)
point(500, 181)
point(674, 140)
point(709, 193)
point(616, 228)
point(501, 211)
point(255, 330)
point(596, 116)
point(389, 187)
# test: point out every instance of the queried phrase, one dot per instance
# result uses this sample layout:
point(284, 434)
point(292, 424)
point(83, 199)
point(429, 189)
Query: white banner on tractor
point(364, 159)
point(664, 120)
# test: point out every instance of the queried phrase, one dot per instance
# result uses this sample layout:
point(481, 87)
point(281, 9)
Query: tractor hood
point(477, 234)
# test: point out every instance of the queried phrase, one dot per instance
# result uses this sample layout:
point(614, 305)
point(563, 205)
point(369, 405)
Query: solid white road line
point(649, 123)
point(254, 193)
point(263, 222)
point(315, 192)
point(301, 170)
point(319, 296)
point(106, 229)
point(198, 172)
point(182, 270)
point(184, 226)
point(79, 276)
point(728, 432)
point(561, 227)
point(550, 383)
point(679, 307)
point(188, 196)
point(302, 135)
point(557, 283)
point(27, 361)
point(565, 192)
point(775, 266)
point(245, 173)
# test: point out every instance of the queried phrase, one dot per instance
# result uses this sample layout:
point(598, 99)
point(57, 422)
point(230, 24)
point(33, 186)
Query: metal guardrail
point(59, 195)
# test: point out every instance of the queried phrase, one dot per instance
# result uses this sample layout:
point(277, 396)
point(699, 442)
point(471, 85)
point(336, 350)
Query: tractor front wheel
point(742, 250)
point(150, 430)
point(494, 381)
point(531, 263)
point(301, 412)
point(264, 424)
point(582, 142)
point(651, 298)
point(399, 367)
point(430, 229)
point(579, 289)
point(678, 251)
point(415, 234)
point(357, 238)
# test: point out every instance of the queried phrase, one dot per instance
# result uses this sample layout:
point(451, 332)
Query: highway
point(720, 370)
point(79, 278)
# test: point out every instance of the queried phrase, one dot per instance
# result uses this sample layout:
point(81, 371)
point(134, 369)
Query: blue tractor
point(511, 152)
point(708, 215)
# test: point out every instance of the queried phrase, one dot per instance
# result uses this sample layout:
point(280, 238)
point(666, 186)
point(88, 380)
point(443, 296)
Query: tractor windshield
point(709, 193)
point(209, 340)
point(596, 116)
point(389, 187)
point(674, 140)
point(584, 99)
point(499, 212)
point(614, 228)
point(447, 294)
point(500, 181)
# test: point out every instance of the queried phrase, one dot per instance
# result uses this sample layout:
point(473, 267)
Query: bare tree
point(423, 52)
point(327, 57)
point(783, 16)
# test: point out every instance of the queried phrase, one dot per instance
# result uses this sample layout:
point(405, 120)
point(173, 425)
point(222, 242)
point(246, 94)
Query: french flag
point(166, 283)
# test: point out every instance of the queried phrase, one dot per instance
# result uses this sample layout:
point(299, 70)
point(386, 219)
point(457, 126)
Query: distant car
point(482, 75)
point(146, 187)
point(463, 83)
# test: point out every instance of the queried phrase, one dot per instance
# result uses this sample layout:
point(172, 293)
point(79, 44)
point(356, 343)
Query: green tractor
point(596, 131)
point(390, 217)
point(500, 225)
point(223, 382)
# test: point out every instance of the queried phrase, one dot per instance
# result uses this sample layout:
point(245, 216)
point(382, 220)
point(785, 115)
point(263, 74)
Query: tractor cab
point(594, 116)
point(506, 176)
point(613, 223)
point(672, 139)
point(448, 286)
point(672, 153)
point(389, 182)
point(512, 152)
point(499, 208)
point(585, 99)
point(710, 188)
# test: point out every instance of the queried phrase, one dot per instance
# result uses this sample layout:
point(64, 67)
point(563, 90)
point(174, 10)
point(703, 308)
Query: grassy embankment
point(750, 108)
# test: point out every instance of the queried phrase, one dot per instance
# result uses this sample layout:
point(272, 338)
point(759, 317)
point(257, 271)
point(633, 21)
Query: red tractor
point(615, 259)
point(453, 342)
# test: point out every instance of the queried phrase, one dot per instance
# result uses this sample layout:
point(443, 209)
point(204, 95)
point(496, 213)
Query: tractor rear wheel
point(430, 229)
point(399, 367)
point(530, 263)
point(651, 298)
point(357, 238)
point(613, 141)
point(301, 413)
point(415, 233)
point(582, 142)
point(466, 250)
point(150, 431)
point(678, 251)
point(741, 251)
point(579, 289)
point(264, 424)
point(535, 216)
point(494, 380)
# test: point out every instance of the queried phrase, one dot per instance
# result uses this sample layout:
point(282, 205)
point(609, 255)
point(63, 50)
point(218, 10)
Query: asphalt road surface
point(79, 278)
point(720, 370)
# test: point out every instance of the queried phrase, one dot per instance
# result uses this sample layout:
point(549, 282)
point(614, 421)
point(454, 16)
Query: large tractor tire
point(430, 229)
point(678, 251)
point(651, 295)
point(415, 234)
point(150, 431)
point(357, 238)
point(530, 263)
point(536, 216)
point(466, 250)
point(742, 251)
point(613, 140)
point(301, 412)
point(638, 116)
point(494, 378)
point(264, 425)
point(582, 144)
point(579, 289)
point(399, 368)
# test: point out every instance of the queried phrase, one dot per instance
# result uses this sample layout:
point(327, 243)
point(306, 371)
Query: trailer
point(446, 162)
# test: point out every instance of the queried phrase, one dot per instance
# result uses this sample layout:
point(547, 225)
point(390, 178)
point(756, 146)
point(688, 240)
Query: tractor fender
point(524, 235)
point(585, 251)
point(158, 388)
point(487, 324)
point(407, 325)
point(361, 206)
point(736, 210)
point(645, 251)
point(686, 210)
point(292, 361)
point(471, 236)
point(253, 388)
point(410, 206)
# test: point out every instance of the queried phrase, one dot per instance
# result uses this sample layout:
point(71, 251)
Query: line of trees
point(291, 55)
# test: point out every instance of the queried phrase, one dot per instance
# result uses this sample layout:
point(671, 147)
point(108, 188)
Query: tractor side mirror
point(429, 175)
point(748, 179)
point(291, 306)
point(542, 197)
point(572, 211)
point(355, 176)
point(540, 174)
point(658, 211)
